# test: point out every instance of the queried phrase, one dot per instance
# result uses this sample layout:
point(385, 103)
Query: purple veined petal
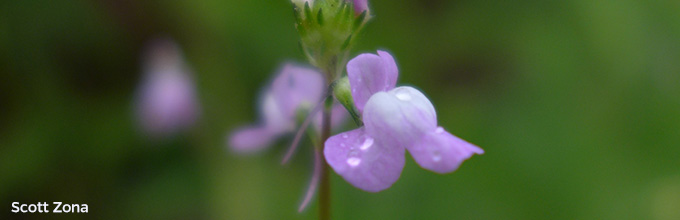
point(404, 115)
point(442, 152)
point(364, 162)
point(369, 74)
point(251, 139)
point(166, 101)
point(295, 86)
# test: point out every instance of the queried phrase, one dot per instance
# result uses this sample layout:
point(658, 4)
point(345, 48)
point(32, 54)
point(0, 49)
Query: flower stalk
point(325, 189)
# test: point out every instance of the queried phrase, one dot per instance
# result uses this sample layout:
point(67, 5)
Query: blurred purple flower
point(293, 89)
point(166, 102)
point(396, 119)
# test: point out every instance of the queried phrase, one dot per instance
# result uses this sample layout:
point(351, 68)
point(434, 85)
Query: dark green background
point(575, 102)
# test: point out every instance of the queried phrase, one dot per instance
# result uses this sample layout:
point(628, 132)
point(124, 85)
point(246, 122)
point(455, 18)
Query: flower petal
point(442, 152)
point(364, 162)
point(251, 139)
point(369, 74)
point(275, 120)
point(256, 137)
point(296, 86)
point(404, 114)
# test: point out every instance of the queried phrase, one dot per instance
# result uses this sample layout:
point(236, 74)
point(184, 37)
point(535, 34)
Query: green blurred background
point(575, 102)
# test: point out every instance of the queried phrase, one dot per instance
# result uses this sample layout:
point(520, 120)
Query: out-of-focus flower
point(395, 119)
point(166, 101)
point(295, 88)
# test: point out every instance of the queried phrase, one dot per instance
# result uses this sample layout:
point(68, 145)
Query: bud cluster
point(327, 29)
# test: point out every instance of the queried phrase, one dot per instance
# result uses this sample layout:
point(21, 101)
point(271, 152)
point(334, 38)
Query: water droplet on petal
point(439, 130)
point(353, 161)
point(403, 96)
point(367, 143)
point(342, 145)
point(436, 157)
point(344, 136)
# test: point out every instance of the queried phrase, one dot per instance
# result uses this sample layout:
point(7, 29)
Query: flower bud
point(327, 31)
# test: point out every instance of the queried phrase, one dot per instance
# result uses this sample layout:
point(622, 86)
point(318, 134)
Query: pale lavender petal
point(274, 119)
point(442, 152)
point(364, 162)
point(338, 115)
point(256, 137)
point(404, 115)
point(369, 74)
point(251, 139)
point(296, 86)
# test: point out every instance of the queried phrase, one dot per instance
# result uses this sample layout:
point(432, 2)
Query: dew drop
point(403, 96)
point(342, 145)
point(436, 157)
point(439, 130)
point(344, 136)
point(367, 144)
point(353, 161)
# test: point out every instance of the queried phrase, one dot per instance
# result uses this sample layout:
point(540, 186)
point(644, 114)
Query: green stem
point(325, 189)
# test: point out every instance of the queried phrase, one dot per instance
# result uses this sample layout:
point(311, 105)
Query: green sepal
point(343, 93)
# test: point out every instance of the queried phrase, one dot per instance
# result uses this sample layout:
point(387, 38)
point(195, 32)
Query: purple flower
point(395, 120)
point(294, 88)
point(166, 100)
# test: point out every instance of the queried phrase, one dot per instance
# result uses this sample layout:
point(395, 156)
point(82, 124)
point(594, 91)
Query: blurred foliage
point(575, 102)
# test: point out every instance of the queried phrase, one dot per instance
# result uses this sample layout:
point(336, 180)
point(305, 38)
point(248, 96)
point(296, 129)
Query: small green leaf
point(359, 20)
point(308, 12)
point(319, 17)
point(346, 43)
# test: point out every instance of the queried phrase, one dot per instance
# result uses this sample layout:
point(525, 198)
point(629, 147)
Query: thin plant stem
point(325, 189)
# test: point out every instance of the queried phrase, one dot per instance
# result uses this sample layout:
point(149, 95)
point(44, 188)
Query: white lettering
point(43, 207)
point(56, 209)
point(67, 208)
